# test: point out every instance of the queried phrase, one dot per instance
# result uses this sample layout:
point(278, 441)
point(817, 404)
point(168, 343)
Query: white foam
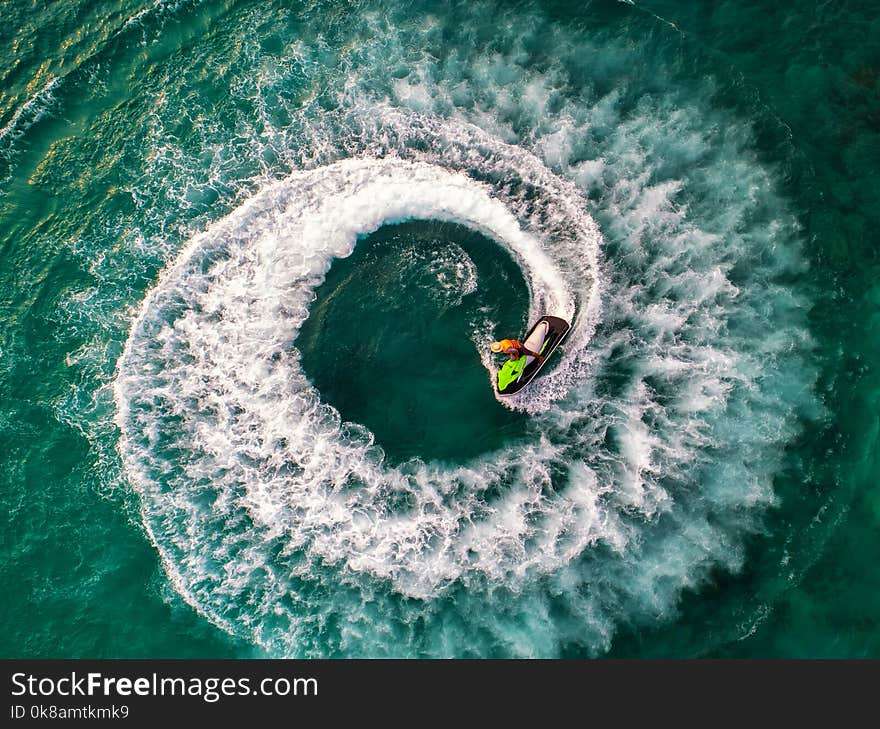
point(211, 351)
point(632, 483)
point(29, 113)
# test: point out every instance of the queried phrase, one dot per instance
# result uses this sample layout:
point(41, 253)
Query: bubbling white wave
point(651, 445)
point(209, 375)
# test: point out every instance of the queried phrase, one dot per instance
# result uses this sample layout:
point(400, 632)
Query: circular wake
point(651, 444)
point(215, 409)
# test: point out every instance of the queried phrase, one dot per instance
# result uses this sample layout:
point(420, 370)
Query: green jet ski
point(542, 338)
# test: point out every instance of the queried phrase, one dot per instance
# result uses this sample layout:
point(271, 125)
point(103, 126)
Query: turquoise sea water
point(251, 259)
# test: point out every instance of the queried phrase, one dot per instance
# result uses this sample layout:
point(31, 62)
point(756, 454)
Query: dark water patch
point(389, 341)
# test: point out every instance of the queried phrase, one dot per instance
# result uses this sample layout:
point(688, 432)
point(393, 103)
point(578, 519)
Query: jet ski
point(543, 338)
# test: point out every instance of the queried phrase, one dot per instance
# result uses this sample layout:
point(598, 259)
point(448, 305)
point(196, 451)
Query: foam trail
point(28, 114)
point(285, 525)
point(226, 313)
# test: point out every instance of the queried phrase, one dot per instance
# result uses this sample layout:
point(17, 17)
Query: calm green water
point(251, 258)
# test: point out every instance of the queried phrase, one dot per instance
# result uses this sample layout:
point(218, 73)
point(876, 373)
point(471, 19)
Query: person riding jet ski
point(514, 349)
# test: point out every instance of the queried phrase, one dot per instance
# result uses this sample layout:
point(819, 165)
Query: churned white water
point(652, 445)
